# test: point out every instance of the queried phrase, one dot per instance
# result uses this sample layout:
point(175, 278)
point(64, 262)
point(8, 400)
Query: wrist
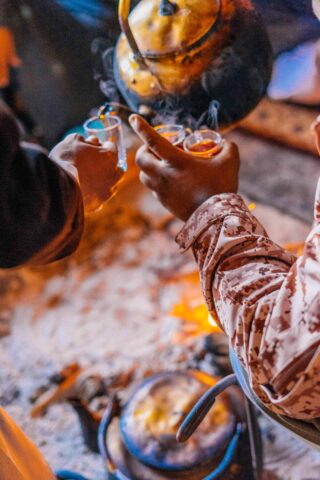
point(202, 198)
point(216, 207)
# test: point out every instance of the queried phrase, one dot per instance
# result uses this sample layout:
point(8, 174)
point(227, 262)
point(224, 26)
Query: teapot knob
point(167, 8)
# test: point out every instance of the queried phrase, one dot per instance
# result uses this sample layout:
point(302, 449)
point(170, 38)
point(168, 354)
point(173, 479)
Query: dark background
point(54, 38)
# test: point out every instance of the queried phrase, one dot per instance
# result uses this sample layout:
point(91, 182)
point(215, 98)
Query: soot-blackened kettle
point(179, 55)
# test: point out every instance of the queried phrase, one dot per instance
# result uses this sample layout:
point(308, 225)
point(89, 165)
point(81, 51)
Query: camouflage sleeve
point(267, 301)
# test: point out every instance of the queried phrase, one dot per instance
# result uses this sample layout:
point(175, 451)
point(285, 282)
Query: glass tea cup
point(109, 129)
point(203, 143)
point(175, 134)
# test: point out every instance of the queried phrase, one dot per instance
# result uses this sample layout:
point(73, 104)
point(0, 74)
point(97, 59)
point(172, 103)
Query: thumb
point(156, 143)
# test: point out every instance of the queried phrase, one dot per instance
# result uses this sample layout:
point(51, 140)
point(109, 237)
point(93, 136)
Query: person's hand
point(316, 130)
point(181, 181)
point(96, 164)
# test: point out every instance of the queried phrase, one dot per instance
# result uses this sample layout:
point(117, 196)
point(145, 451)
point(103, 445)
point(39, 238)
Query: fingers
point(147, 181)
point(154, 173)
point(156, 143)
point(106, 146)
point(147, 162)
point(76, 138)
point(150, 168)
point(77, 142)
point(73, 137)
point(93, 139)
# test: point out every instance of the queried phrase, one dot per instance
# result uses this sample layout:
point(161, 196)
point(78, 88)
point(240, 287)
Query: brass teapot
point(179, 55)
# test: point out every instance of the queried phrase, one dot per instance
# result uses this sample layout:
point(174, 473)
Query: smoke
point(103, 54)
point(210, 118)
point(213, 115)
point(169, 111)
point(172, 109)
point(107, 82)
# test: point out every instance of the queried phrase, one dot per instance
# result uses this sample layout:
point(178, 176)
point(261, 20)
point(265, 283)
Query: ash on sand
point(106, 308)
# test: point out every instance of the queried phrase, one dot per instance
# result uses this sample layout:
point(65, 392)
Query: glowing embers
point(142, 443)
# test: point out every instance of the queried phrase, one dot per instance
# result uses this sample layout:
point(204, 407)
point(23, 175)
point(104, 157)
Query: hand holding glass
point(110, 162)
point(109, 129)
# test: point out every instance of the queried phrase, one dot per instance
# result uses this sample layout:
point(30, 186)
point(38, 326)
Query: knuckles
point(145, 159)
point(140, 156)
point(147, 181)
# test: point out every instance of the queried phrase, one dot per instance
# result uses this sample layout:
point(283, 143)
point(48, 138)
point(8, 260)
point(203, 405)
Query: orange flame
point(193, 313)
point(296, 248)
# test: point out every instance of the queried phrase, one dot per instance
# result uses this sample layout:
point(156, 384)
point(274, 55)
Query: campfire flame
point(195, 319)
point(296, 248)
point(193, 313)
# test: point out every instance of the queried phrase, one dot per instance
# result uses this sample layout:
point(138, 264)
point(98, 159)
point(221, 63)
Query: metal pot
point(139, 441)
point(179, 55)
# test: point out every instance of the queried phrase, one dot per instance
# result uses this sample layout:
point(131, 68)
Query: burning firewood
point(74, 383)
point(58, 393)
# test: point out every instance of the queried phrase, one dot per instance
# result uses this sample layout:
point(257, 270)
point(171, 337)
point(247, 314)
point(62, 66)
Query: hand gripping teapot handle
point(123, 12)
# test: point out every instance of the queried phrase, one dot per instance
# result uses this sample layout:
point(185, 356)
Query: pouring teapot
point(179, 55)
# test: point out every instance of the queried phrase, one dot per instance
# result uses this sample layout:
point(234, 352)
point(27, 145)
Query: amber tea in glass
point(203, 143)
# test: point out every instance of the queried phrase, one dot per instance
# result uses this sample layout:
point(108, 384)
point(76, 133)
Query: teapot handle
point(113, 410)
point(123, 13)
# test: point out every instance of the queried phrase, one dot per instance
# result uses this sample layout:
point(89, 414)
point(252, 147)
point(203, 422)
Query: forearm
point(258, 296)
point(41, 214)
point(230, 245)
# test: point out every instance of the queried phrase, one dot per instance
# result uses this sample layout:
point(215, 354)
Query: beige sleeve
point(19, 457)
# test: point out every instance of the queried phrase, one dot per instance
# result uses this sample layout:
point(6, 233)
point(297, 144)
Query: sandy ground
point(108, 307)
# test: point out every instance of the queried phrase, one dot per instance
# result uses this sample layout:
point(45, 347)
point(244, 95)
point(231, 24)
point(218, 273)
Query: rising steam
point(170, 110)
point(103, 53)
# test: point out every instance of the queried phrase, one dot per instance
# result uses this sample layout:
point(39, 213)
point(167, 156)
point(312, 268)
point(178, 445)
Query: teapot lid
point(161, 33)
